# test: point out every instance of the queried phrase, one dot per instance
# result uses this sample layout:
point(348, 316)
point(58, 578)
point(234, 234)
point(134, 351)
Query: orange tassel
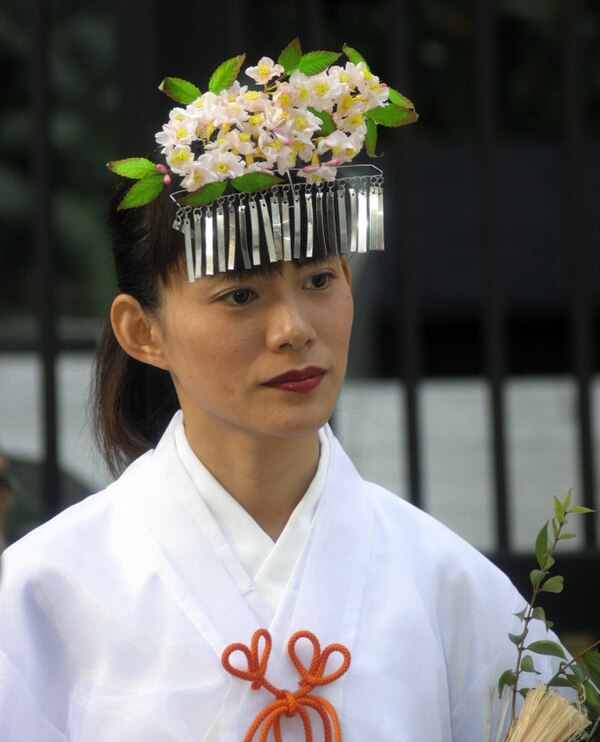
point(287, 703)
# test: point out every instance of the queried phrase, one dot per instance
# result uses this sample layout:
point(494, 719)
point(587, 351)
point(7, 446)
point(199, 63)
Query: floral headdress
point(280, 150)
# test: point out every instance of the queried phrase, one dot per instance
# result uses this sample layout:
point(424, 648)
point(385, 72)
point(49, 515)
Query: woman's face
point(264, 354)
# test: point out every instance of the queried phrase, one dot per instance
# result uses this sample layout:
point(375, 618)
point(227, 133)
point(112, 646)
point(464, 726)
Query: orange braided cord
point(287, 703)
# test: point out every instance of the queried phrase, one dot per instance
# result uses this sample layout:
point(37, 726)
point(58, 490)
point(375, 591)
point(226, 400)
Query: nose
point(290, 326)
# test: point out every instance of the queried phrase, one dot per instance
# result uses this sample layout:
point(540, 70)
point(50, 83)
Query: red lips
point(297, 380)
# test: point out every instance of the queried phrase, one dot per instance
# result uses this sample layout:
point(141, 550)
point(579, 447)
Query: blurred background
point(473, 386)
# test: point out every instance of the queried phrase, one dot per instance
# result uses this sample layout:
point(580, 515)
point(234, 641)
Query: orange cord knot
point(287, 703)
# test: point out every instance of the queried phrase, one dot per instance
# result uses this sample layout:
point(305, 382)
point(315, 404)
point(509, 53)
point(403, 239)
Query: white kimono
point(115, 614)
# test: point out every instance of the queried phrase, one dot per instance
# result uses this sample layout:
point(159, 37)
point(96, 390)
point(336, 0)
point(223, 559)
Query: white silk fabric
point(115, 614)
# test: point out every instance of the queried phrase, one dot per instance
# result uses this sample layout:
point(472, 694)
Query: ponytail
point(133, 402)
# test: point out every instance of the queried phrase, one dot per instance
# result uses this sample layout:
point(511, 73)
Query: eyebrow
point(267, 270)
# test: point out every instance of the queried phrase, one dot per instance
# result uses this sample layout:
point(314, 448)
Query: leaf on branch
point(391, 115)
point(559, 510)
point(354, 56)
point(567, 501)
point(566, 536)
point(142, 192)
point(580, 672)
point(527, 665)
point(508, 679)
point(225, 74)
point(554, 584)
point(252, 182)
point(290, 57)
point(133, 167)
point(540, 614)
point(581, 509)
point(544, 646)
point(327, 123)
point(180, 90)
point(206, 194)
point(541, 546)
point(371, 138)
point(536, 576)
point(400, 100)
point(592, 662)
point(518, 638)
point(592, 698)
point(315, 62)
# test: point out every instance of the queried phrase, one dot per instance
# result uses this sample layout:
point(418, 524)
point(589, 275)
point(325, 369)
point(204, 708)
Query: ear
point(346, 269)
point(137, 332)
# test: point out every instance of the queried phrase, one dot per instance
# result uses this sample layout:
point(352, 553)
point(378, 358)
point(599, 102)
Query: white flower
point(344, 147)
point(197, 177)
point(318, 173)
point(181, 129)
point(324, 89)
point(224, 165)
point(179, 159)
point(264, 70)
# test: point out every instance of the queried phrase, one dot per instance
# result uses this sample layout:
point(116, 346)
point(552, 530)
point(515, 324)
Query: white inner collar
point(269, 563)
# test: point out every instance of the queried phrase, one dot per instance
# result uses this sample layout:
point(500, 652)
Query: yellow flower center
point(252, 95)
point(357, 120)
point(263, 70)
point(344, 77)
point(222, 167)
point(304, 93)
point(300, 122)
point(181, 156)
point(244, 137)
point(181, 133)
point(256, 119)
point(285, 99)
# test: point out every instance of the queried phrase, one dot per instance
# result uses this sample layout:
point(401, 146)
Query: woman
point(240, 578)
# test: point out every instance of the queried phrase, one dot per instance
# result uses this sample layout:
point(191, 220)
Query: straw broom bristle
point(546, 716)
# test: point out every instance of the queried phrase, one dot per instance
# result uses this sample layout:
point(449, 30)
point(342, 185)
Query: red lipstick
point(297, 380)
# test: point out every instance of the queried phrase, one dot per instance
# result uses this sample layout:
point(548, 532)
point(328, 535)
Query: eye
point(239, 297)
point(319, 280)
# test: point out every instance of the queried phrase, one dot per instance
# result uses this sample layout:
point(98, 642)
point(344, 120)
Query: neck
point(267, 475)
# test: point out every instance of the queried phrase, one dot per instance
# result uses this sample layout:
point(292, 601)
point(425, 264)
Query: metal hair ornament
point(267, 166)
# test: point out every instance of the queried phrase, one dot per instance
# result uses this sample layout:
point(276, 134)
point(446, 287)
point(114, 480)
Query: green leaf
point(554, 584)
point(315, 62)
point(508, 679)
point(545, 646)
point(327, 123)
point(566, 536)
point(180, 90)
point(400, 100)
point(133, 167)
point(354, 56)
point(371, 138)
point(541, 546)
point(391, 115)
point(592, 698)
point(225, 74)
point(142, 192)
point(206, 194)
point(521, 614)
point(559, 510)
point(252, 182)
point(580, 672)
point(560, 682)
point(518, 638)
point(555, 528)
point(592, 662)
point(567, 500)
point(581, 509)
point(536, 576)
point(540, 614)
point(290, 57)
point(527, 664)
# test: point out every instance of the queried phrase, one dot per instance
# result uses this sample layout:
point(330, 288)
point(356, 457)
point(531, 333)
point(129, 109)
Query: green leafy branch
point(582, 672)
